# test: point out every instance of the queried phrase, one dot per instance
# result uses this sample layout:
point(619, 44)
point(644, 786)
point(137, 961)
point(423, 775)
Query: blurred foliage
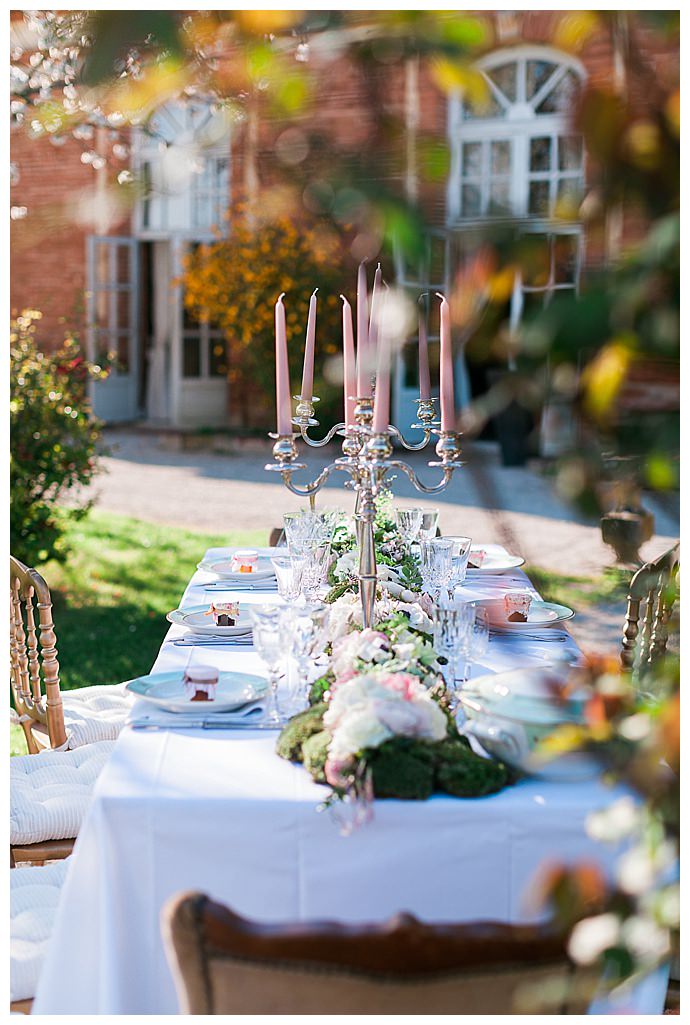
point(235, 282)
point(627, 926)
point(53, 440)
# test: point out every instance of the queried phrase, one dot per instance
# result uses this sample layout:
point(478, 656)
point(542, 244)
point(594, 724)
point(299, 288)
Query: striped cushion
point(49, 792)
point(95, 713)
point(34, 895)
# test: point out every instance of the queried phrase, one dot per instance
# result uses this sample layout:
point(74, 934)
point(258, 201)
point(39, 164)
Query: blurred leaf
point(435, 160)
point(464, 31)
point(292, 93)
point(574, 29)
point(114, 33)
point(660, 472)
point(603, 378)
point(450, 75)
point(264, 23)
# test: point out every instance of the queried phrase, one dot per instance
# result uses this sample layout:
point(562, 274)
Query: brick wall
point(48, 246)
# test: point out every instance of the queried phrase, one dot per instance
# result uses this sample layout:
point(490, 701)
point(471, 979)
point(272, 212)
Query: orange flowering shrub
point(234, 284)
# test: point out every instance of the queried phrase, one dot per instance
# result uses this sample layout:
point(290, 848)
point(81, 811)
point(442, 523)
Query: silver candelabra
point(367, 460)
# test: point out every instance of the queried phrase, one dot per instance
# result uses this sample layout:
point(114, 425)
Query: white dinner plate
point(541, 614)
point(224, 571)
point(196, 620)
point(495, 562)
point(167, 691)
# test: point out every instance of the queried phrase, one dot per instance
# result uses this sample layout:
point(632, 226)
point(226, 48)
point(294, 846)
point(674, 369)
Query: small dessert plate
point(541, 614)
point(167, 690)
point(224, 571)
point(494, 562)
point(197, 621)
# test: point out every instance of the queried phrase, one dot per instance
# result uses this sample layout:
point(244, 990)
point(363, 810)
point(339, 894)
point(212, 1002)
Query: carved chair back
point(224, 964)
point(651, 597)
point(34, 668)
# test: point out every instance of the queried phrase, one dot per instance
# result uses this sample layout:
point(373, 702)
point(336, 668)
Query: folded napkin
point(144, 713)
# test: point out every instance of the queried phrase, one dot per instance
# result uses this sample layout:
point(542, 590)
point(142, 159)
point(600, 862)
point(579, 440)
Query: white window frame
point(519, 126)
point(177, 207)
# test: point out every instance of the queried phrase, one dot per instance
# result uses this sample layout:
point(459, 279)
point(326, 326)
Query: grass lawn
point(111, 597)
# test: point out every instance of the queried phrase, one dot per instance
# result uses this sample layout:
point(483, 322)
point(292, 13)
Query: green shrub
point(52, 439)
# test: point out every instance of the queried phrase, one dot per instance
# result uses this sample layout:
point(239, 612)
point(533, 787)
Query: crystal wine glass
point(441, 568)
point(316, 559)
point(355, 806)
point(408, 522)
point(474, 642)
point(305, 638)
point(452, 622)
point(268, 641)
point(429, 524)
point(289, 570)
point(461, 555)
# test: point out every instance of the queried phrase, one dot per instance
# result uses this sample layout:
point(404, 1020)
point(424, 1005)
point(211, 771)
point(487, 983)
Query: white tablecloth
point(220, 812)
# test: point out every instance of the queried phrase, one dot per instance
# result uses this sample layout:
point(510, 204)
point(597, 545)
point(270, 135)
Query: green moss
point(462, 773)
point(314, 754)
point(298, 730)
point(319, 688)
point(404, 769)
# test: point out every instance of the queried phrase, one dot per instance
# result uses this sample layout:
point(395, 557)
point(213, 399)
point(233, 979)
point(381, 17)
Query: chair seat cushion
point(49, 792)
point(34, 895)
point(95, 713)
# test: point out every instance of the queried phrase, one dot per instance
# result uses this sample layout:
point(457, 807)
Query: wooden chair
point(48, 718)
point(651, 597)
point(224, 964)
point(276, 538)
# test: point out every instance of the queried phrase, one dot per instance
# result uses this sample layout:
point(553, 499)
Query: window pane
point(538, 199)
point(561, 98)
point(471, 201)
point(565, 248)
point(505, 77)
point(472, 159)
point(500, 157)
point(490, 108)
point(124, 305)
point(540, 154)
point(105, 344)
point(191, 357)
point(499, 197)
point(123, 353)
point(534, 252)
point(101, 308)
point(123, 258)
point(568, 197)
point(538, 72)
point(569, 152)
point(217, 361)
point(188, 318)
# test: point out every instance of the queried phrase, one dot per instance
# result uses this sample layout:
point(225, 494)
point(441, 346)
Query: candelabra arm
point(408, 444)
point(314, 442)
point(306, 490)
point(427, 489)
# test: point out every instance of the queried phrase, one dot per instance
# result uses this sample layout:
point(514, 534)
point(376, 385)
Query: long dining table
point(219, 812)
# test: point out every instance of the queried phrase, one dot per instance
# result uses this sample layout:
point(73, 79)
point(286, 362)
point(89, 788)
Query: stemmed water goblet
point(267, 622)
point(436, 560)
point(355, 805)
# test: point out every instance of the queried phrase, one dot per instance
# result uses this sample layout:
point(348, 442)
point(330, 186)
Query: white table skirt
point(222, 813)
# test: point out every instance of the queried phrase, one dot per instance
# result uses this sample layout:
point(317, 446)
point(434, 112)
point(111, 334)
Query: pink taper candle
point(364, 366)
point(424, 377)
point(308, 371)
point(382, 397)
point(283, 402)
point(375, 312)
point(349, 371)
point(447, 389)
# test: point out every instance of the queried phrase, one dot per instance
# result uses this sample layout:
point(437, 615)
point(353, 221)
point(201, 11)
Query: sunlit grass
point(111, 596)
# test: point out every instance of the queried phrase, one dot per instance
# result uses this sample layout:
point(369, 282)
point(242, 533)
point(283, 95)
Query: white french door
point(112, 324)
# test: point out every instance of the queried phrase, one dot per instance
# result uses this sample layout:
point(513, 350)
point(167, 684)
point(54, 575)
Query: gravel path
point(147, 478)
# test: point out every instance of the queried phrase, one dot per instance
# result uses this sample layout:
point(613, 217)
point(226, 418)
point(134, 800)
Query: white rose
point(357, 730)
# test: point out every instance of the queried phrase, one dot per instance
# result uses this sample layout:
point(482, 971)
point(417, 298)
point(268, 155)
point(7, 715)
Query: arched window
point(517, 155)
point(183, 160)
